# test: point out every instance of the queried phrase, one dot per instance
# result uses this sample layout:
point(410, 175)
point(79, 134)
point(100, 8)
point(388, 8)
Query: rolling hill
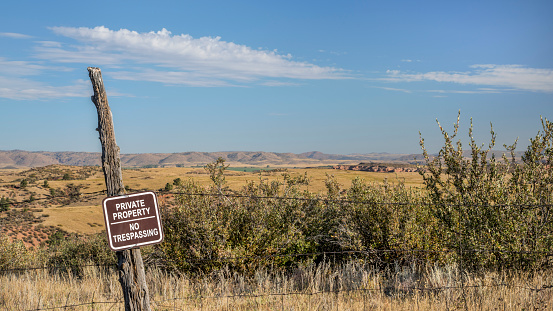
point(21, 159)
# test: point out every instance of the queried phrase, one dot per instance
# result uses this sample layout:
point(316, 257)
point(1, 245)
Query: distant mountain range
point(19, 158)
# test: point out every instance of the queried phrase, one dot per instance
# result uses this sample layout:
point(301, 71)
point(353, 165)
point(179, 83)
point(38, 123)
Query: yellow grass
point(87, 217)
point(348, 287)
point(81, 219)
point(156, 178)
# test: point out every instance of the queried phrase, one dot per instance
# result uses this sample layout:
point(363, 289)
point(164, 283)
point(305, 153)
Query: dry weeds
point(351, 286)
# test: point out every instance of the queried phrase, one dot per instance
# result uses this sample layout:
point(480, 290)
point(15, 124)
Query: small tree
point(478, 201)
point(23, 183)
point(73, 192)
point(216, 172)
point(4, 204)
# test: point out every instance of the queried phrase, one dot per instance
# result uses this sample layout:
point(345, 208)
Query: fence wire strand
point(309, 293)
point(365, 253)
point(89, 195)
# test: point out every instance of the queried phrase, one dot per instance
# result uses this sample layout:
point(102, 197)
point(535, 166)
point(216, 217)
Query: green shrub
point(14, 255)
point(206, 229)
point(478, 211)
point(73, 192)
point(4, 204)
point(481, 203)
point(72, 253)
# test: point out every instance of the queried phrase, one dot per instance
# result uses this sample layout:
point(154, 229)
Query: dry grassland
point(80, 219)
point(85, 215)
point(350, 286)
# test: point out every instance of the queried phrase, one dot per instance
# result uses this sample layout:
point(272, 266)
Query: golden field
point(85, 215)
point(350, 286)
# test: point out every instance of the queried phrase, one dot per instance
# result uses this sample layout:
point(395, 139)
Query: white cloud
point(25, 68)
point(515, 77)
point(211, 60)
point(279, 83)
point(477, 91)
point(14, 35)
point(14, 83)
point(26, 89)
point(170, 78)
point(392, 89)
point(52, 44)
point(19, 68)
point(333, 52)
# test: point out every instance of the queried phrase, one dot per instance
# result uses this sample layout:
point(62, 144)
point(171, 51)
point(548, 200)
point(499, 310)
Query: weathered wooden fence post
point(131, 267)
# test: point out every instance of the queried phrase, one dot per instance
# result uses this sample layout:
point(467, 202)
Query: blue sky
point(283, 76)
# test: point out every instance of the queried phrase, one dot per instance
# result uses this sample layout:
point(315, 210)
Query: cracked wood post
point(131, 267)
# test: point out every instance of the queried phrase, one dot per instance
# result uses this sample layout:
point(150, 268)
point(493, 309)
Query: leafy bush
point(481, 203)
point(72, 192)
point(472, 211)
point(477, 212)
point(265, 221)
point(71, 254)
point(4, 204)
point(14, 255)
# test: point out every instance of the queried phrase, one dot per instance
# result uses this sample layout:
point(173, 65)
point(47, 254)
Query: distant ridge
point(21, 158)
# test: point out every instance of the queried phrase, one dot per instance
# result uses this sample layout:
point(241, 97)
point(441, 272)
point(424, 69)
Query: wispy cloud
point(16, 84)
point(477, 91)
point(393, 89)
point(279, 83)
point(333, 52)
point(27, 89)
point(25, 68)
point(170, 77)
point(515, 77)
point(14, 35)
point(19, 68)
point(205, 61)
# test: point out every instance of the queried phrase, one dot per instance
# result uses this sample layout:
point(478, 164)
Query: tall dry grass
point(347, 286)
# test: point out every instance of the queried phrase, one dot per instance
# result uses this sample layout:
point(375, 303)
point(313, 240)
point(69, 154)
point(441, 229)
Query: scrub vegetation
point(477, 234)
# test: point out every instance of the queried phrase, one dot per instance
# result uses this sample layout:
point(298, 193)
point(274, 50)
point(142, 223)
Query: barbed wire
point(382, 289)
point(312, 254)
point(346, 201)
point(57, 267)
point(75, 305)
point(50, 197)
point(273, 256)
point(314, 199)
